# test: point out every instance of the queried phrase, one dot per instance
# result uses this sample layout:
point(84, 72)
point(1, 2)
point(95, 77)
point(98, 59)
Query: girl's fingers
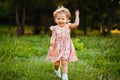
point(77, 11)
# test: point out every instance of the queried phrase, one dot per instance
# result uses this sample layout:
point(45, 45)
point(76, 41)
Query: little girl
point(61, 49)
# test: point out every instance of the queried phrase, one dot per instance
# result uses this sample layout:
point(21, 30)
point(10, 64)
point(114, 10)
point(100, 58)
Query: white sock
point(58, 74)
point(64, 77)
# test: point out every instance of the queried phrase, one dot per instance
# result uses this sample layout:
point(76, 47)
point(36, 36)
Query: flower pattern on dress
point(61, 46)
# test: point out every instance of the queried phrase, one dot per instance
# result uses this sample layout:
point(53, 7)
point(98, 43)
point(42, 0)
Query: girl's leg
point(64, 70)
point(57, 65)
point(64, 66)
point(57, 69)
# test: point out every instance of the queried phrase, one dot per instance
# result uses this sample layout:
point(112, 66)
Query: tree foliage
point(39, 13)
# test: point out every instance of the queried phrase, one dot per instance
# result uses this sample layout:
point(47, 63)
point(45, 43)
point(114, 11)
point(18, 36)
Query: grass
point(23, 58)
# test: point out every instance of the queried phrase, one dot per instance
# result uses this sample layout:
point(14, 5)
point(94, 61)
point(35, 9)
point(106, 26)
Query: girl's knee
point(64, 62)
point(57, 63)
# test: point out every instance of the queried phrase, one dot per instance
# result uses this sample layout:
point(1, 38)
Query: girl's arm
point(52, 41)
point(76, 23)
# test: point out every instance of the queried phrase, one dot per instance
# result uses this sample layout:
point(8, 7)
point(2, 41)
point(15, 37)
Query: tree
point(108, 12)
point(39, 13)
point(20, 23)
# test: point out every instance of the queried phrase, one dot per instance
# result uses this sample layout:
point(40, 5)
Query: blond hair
point(62, 9)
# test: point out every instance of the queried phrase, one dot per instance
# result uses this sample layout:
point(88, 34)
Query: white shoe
point(64, 77)
point(58, 74)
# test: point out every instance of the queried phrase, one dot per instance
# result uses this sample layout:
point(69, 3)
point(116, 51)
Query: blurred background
point(37, 15)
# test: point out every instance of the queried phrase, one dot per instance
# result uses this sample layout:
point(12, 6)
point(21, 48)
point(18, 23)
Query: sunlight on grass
point(115, 31)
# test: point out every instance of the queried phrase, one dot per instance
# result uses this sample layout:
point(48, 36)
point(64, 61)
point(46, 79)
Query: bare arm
point(52, 41)
point(76, 23)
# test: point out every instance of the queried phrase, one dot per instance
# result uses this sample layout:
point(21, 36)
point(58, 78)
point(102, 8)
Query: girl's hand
point(77, 12)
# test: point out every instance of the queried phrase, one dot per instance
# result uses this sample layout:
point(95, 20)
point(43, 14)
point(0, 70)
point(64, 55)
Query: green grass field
point(23, 58)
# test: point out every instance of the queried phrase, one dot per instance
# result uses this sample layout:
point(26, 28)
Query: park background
point(25, 37)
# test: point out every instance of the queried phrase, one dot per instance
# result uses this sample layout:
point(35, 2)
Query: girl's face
point(61, 19)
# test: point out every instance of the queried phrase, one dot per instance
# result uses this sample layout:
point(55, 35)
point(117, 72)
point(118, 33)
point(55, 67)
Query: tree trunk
point(110, 12)
point(20, 26)
point(109, 26)
point(84, 26)
point(23, 18)
point(17, 20)
point(103, 26)
point(109, 23)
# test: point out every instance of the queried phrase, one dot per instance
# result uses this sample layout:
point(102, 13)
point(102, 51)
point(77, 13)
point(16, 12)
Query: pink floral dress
point(61, 46)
